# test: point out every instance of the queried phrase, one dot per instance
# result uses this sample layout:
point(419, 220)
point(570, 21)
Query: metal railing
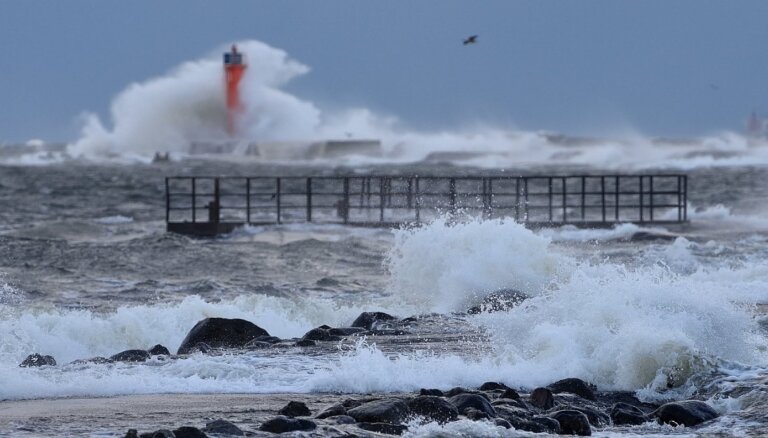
point(588, 200)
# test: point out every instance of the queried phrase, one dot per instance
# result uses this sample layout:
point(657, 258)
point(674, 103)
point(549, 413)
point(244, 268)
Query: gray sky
point(660, 67)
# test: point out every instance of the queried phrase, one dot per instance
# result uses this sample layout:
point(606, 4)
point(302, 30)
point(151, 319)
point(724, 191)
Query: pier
point(212, 205)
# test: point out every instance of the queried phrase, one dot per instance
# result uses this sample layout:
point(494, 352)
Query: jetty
point(212, 205)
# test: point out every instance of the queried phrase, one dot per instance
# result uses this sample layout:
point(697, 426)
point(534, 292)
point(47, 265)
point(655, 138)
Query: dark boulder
point(132, 433)
point(433, 408)
point(550, 425)
point(503, 423)
point(572, 422)
point(391, 410)
point(189, 432)
point(342, 419)
point(270, 339)
point(258, 345)
point(499, 301)
point(475, 414)
point(337, 409)
point(542, 398)
point(476, 401)
point(162, 433)
point(594, 415)
point(295, 409)
point(305, 343)
point(320, 334)
point(461, 390)
point(221, 333)
point(346, 331)
point(574, 386)
point(371, 320)
point(688, 413)
point(223, 427)
point(385, 428)
point(510, 394)
point(200, 347)
point(131, 356)
point(158, 350)
point(285, 424)
point(436, 392)
point(493, 386)
point(38, 360)
point(623, 413)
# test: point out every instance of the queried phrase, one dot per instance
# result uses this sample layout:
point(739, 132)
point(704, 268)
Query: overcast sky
point(661, 68)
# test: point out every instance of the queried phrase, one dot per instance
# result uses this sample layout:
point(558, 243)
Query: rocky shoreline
point(569, 406)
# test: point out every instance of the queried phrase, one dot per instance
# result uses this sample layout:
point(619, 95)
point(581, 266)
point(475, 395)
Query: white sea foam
point(113, 220)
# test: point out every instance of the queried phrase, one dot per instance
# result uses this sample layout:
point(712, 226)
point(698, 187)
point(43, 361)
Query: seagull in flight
point(470, 40)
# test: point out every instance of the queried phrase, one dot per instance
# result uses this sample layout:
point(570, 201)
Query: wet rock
point(189, 432)
point(388, 332)
point(305, 343)
point(346, 331)
point(503, 423)
point(94, 360)
point(475, 414)
point(38, 360)
point(131, 356)
point(510, 394)
point(270, 339)
point(550, 425)
point(258, 345)
point(200, 347)
point(623, 413)
point(342, 419)
point(221, 333)
point(325, 327)
point(386, 428)
point(433, 408)
point(337, 409)
point(688, 413)
point(572, 422)
point(162, 433)
point(223, 427)
point(499, 301)
point(594, 415)
point(132, 433)
point(574, 386)
point(435, 392)
point(320, 334)
point(371, 320)
point(295, 409)
point(542, 398)
point(158, 350)
point(476, 401)
point(460, 390)
point(391, 411)
point(493, 386)
point(285, 424)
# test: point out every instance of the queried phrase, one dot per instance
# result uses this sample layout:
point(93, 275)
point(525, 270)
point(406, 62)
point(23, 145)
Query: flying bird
point(471, 40)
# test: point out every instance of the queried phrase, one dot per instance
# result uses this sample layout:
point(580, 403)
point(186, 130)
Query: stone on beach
point(221, 333)
point(433, 408)
point(572, 422)
point(688, 413)
point(295, 409)
point(130, 356)
point(38, 360)
point(371, 320)
point(392, 411)
point(284, 424)
point(476, 401)
point(223, 427)
point(574, 386)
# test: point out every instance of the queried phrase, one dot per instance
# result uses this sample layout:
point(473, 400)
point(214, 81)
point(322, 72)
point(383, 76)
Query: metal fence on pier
point(211, 205)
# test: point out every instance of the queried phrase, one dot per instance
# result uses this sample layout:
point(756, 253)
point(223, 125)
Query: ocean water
point(86, 269)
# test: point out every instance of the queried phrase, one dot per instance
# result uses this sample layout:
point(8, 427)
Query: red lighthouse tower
point(234, 67)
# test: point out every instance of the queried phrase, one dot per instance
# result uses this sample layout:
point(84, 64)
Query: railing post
point(679, 198)
point(641, 198)
point(346, 204)
point(549, 180)
point(602, 196)
point(685, 198)
point(410, 193)
point(565, 206)
point(490, 197)
point(167, 201)
point(381, 199)
point(214, 207)
point(525, 193)
point(277, 199)
point(650, 195)
point(309, 199)
point(248, 200)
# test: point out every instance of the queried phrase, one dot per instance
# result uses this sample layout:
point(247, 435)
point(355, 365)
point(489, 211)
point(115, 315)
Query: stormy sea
point(89, 271)
point(460, 326)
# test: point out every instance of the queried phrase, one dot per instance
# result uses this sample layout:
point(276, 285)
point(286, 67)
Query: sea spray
point(444, 267)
